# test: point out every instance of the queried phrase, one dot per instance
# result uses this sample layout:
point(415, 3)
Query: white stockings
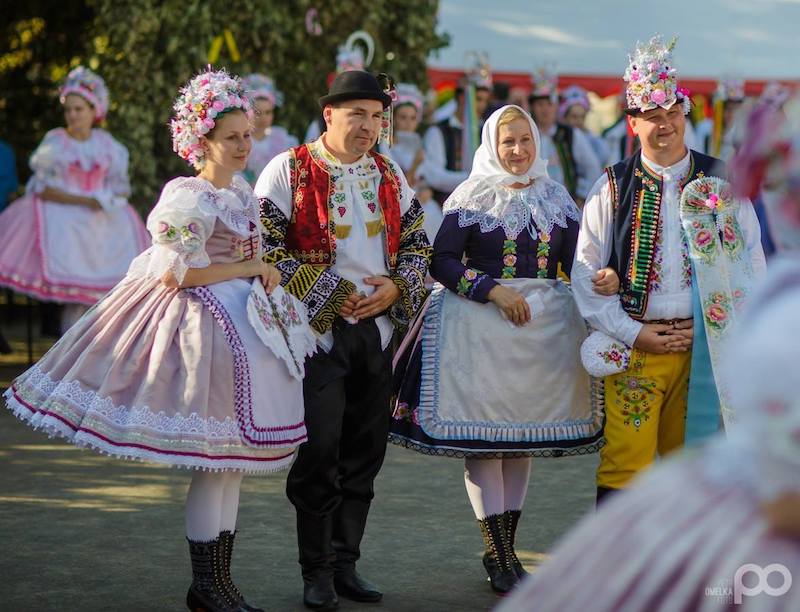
point(212, 504)
point(496, 485)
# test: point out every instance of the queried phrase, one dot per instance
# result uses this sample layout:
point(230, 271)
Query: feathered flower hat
point(651, 77)
point(408, 93)
point(545, 84)
point(730, 89)
point(200, 103)
point(89, 86)
point(262, 86)
point(572, 95)
point(769, 158)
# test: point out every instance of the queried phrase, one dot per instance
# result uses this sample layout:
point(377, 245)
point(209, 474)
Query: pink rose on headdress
point(635, 75)
point(658, 96)
point(712, 200)
point(218, 106)
point(663, 76)
point(653, 66)
point(209, 123)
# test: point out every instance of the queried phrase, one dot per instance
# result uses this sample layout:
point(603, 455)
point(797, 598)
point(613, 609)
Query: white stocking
point(70, 313)
point(230, 501)
point(484, 482)
point(516, 473)
point(204, 505)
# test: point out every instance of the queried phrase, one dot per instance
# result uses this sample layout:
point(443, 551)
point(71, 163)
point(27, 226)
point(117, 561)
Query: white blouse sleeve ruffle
point(180, 224)
point(44, 162)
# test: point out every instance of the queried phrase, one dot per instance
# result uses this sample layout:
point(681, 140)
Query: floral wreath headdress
point(200, 103)
point(408, 93)
point(651, 77)
point(262, 86)
point(89, 86)
point(572, 95)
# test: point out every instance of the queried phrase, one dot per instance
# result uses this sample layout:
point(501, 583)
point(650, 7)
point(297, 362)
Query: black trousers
point(347, 412)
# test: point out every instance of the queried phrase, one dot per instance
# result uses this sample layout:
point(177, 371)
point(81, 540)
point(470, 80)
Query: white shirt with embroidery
point(670, 295)
point(436, 173)
point(360, 234)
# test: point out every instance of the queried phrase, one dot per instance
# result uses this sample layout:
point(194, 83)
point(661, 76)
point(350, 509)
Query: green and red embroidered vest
point(311, 235)
point(636, 198)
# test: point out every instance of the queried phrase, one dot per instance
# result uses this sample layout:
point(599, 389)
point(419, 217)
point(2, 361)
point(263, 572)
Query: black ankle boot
point(511, 521)
point(226, 539)
point(497, 559)
point(207, 592)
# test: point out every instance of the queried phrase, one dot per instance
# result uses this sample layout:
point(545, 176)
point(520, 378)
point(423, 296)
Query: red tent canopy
point(603, 86)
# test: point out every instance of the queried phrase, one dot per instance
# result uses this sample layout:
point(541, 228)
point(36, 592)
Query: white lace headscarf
point(486, 197)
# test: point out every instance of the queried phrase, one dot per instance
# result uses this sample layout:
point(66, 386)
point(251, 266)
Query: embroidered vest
point(311, 235)
point(563, 143)
point(636, 198)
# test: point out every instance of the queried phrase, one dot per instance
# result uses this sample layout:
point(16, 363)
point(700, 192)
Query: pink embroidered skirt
point(65, 253)
point(167, 375)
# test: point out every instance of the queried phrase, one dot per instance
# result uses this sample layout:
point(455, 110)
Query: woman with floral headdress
point(717, 529)
point(268, 139)
point(71, 237)
point(179, 364)
point(493, 372)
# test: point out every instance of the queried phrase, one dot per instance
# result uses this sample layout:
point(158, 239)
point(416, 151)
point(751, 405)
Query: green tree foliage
point(145, 50)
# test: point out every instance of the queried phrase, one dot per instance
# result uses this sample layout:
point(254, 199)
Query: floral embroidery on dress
point(617, 354)
point(509, 259)
point(468, 282)
point(542, 254)
point(186, 238)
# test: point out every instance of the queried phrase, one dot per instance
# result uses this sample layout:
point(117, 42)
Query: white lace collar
point(537, 208)
point(235, 205)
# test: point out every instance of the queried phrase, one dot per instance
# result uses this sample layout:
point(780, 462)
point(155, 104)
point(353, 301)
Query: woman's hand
point(269, 274)
point(605, 282)
point(511, 303)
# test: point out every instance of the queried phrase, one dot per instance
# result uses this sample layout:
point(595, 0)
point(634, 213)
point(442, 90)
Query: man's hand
point(386, 294)
point(605, 282)
point(350, 304)
point(682, 334)
point(653, 338)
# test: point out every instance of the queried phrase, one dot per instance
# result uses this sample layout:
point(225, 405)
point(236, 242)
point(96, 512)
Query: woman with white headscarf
point(492, 371)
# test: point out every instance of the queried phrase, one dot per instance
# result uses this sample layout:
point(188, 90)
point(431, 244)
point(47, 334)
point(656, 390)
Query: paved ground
point(84, 532)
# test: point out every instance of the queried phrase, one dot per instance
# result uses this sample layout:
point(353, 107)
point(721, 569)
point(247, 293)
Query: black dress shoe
point(318, 593)
point(352, 586)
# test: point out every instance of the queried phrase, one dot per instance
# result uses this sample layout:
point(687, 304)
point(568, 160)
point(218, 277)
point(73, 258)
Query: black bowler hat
point(355, 85)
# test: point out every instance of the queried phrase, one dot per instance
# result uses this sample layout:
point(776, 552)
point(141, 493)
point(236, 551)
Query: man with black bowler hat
point(346, 232)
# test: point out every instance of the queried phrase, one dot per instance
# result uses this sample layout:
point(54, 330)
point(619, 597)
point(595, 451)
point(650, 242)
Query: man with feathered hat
point(687, 254)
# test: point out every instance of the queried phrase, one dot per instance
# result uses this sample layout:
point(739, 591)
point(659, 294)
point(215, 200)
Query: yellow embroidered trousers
point(645, 415)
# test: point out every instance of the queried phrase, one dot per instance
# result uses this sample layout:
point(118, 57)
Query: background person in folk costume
point(473, 380)
point(408, 151)
point(268, 139)
point(686, 263)
point(717, 136)
point(573, 107)
point(346, 232)
point(681, 537)
point(167, 367)
point(71, 237)
point(571, 160)
point(451, 142)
